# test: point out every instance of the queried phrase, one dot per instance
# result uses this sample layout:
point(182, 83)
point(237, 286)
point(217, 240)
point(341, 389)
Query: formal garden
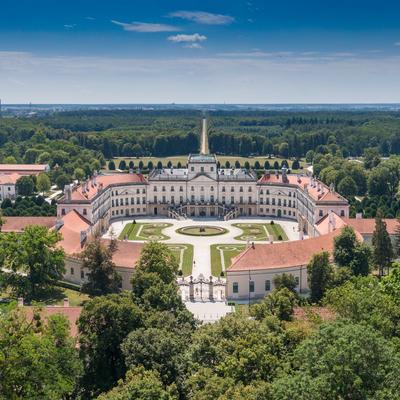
point(261, 232)
point(202, 230)
point(144, 231)
point(184, 256)
point(221, 256)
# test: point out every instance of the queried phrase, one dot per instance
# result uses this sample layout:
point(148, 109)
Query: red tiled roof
point(105, 180)
point(74, 223)
point(70, 313)
point(18, 224)
point(23, 167)
point(9, 179)
point(282, 255)
point(324, 194)
point(127, 253)
point(366, 226)
point(324, 226)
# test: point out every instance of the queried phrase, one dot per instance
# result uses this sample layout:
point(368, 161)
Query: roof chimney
point(83, 237)
point(59, 224)
point(68, 192)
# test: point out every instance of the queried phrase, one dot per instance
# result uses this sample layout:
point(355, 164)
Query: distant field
point(183, 160)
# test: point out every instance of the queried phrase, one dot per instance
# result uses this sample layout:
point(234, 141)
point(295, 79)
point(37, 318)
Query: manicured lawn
point(276, 230)
point(228, 252)
point(252, 232)
point(184, 255)
point(260, 232)
point(201, 230)
point(75, 298)
point(146, 231)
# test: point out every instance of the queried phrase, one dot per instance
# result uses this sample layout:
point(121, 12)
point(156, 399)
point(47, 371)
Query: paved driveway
point(201, 245)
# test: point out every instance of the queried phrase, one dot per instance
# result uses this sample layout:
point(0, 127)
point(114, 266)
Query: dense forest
point(77, 143)
point(341, 342)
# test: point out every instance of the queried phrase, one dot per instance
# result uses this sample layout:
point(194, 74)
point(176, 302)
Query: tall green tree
point(79, 174)
point(139, 384)
point(32, 261)
point(284, 280)
point(25, 186)
point(104, 323)
point(280, 303)
point(319, 273)
point(347, 186)
point(102, 277)
point(38, 359)
point(154, 279)
point(157, 349)
point(382, 245)
point(43, 183)
point(350, 253)
point(341, 361)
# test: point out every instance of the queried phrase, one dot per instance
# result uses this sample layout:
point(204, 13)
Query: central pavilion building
point(203, 189)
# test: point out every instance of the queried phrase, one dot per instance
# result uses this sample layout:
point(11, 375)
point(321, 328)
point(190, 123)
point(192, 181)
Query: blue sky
point(159, 51)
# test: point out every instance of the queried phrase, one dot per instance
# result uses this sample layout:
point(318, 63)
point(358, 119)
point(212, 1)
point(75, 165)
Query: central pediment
point(202, 177)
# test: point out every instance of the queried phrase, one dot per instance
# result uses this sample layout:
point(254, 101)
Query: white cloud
point(397, 44)
point(145, 27)
point(200, 79)
point(90, 18)
point(202, 17)
point(69, 26)
point(255, 53)
point(193, 46)
point(187, 38)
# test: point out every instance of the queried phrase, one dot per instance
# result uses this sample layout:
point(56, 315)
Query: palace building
point(203, 189)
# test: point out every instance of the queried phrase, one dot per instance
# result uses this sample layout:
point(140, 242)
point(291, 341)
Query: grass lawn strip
point(184, 255)
point(221, 256)
point(207, 231)
point(252, 232)
point(144, 231)
point(275, 231)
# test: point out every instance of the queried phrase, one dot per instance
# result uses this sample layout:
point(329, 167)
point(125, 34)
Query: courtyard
point(205, 254)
